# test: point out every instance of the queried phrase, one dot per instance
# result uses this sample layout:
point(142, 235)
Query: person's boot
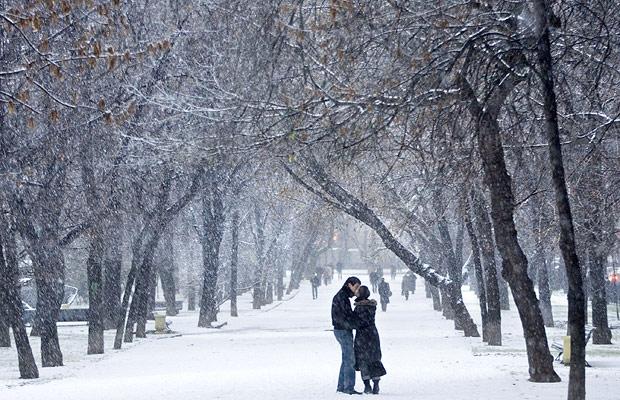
point(367, 388)
point(375, 389)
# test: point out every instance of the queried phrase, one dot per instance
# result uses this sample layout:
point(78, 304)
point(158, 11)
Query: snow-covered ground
point(287, 351)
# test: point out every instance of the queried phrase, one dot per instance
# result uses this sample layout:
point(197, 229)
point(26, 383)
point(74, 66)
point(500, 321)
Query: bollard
point(566, 353)
point(160, 323)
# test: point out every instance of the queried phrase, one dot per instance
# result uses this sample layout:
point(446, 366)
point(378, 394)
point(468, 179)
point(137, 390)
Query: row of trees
point(449, 129)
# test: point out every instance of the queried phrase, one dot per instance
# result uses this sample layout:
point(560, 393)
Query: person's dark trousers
point(384, 306)
point(346, 378)
point(315, 292)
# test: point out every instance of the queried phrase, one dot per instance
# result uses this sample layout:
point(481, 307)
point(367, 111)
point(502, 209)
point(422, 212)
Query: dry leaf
point(101, 105)
point(97, 48)
point(36, 23)
point(54, 115)
point(111, 63)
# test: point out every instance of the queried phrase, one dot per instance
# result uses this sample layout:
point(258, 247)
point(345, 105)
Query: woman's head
point(363, 293)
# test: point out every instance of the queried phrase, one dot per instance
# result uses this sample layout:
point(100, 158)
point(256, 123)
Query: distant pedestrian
point(316, 282)
point(367, 344)
point(344, 321)
point(408, 284)
point(339, 267)
point(384, 294)
point(327, 276)
point(374, 280)
point(393, 272)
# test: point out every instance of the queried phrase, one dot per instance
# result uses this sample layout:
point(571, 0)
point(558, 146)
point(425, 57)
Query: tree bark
point(213, 230)
point(122, 315)
point(95, 294)
point(10, 297)
point(259, 239)
point(112, 264)
point(576, 300)
point(95, 259)
point(487, 250)
point(166, 271)
point(49, 276)
point(593, 224)
point(482, 296)
point(5, 334)
point(234, 260)
point(540, 258)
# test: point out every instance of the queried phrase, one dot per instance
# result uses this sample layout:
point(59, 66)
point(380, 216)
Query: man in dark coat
point(344, 321)
point(384, 293)
point(315, 281)
point(408, 284)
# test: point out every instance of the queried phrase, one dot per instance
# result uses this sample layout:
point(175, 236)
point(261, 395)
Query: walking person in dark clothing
point(339, 267)
point(384, 293)
point(316, 282)
point(374, 280)
point(408, 285)
point(367, 345)
point(344, 321)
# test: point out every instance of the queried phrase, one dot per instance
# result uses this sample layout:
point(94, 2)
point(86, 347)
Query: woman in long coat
point(367, 346)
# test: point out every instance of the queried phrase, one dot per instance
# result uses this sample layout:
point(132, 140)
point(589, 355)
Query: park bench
point(559, 346)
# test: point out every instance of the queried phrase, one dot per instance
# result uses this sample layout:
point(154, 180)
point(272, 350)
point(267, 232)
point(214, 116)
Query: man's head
point(352, 283)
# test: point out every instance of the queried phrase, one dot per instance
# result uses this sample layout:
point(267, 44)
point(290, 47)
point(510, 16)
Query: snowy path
point(286, 351)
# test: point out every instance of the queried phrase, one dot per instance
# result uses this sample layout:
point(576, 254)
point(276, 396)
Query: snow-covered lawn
point(287, 351)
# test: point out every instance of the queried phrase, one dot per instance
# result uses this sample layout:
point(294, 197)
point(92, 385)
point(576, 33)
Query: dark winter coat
point(367, 346)
point(342, 313)
point(384, 292)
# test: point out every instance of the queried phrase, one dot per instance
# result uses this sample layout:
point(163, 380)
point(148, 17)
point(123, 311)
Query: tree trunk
point(482, 296)
point(269, 293)
point(514, 265)
point(10, 297)
point(144, 283)
point(191, 297)
point(112, 264)
point(5, 334)
point(112, 290)
point(128, 311)
point(593, 224)
point(122, 314)
point(234, 255)
point(540, 259)
point(259, 272)
point(299, 266)
point(487, 250)
point(436, 298)
point(427, 290)
point(208, 300)
point(213, 226)
point(166, 270)
point(602, 333)
point(95, 294)
point(50, 292)
point(576, 300)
